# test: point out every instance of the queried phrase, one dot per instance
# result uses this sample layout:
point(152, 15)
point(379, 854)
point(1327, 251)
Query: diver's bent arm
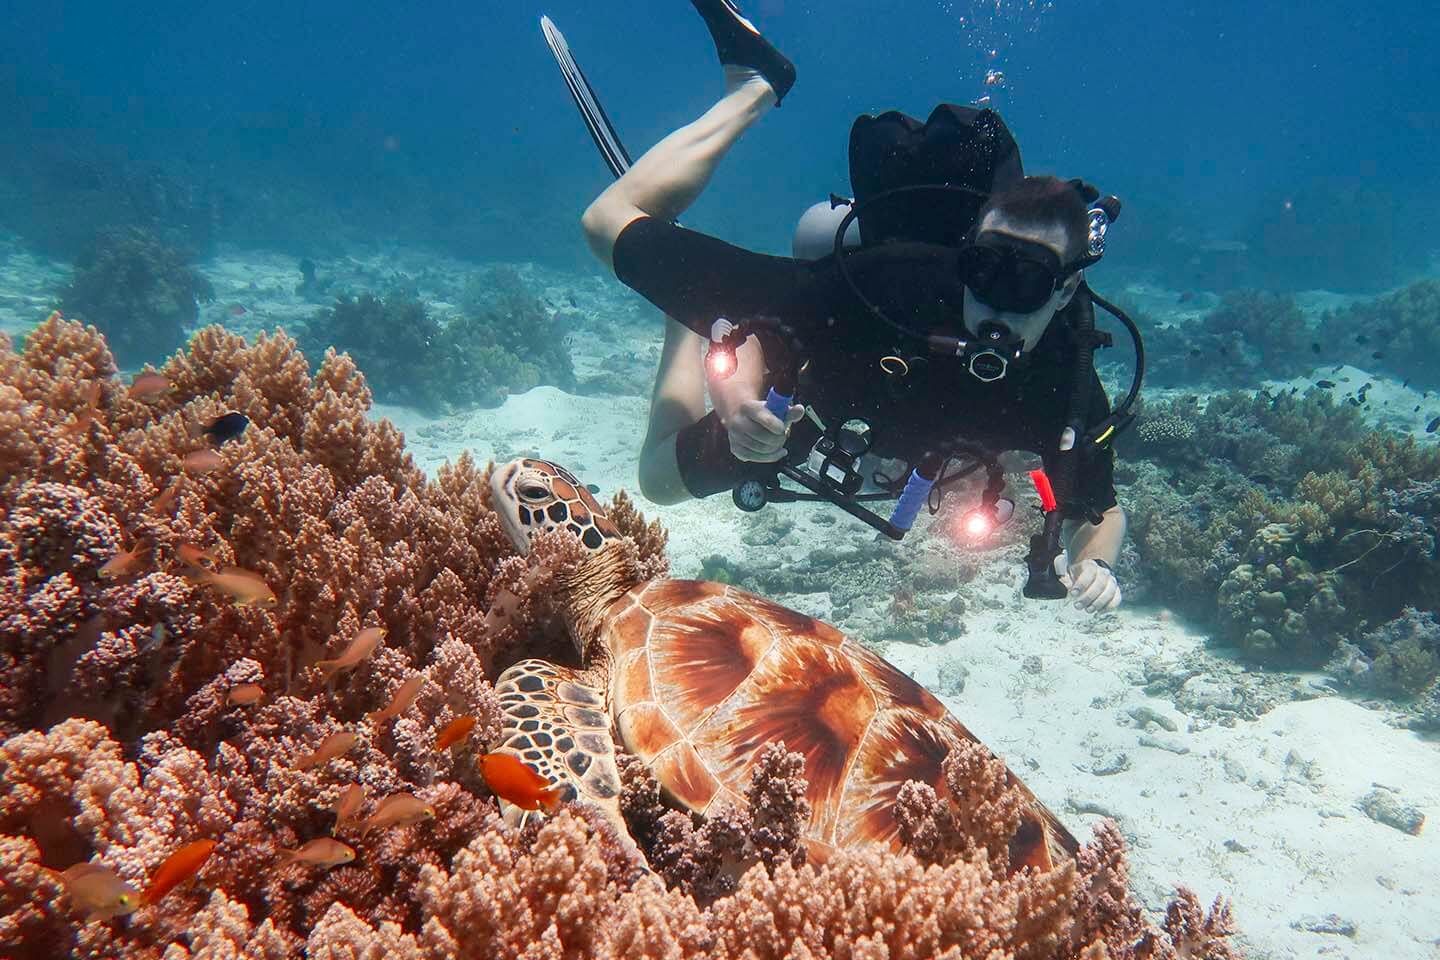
point(1102, 541)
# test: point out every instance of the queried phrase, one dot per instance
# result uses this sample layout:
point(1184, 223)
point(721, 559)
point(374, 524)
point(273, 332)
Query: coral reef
point(1396, 333)
point(393, 339)
point(1398, 658)
point(1307, 527)
point(504, 342)
point(139, 292)
point(1249, 336)
point(124, 737)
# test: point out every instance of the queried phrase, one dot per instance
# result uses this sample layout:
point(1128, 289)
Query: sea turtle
point(694, 678)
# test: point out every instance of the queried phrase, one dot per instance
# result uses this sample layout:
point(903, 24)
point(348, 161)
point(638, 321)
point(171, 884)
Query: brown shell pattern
point(704, 675)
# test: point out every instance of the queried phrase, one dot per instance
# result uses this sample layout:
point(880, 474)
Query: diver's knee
point(659, 479)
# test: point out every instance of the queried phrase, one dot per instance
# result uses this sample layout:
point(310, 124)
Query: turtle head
point(532, 496)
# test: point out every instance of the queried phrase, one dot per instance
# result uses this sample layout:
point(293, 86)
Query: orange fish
point(330, 748)
point(196, 556)
point(247, 588)
point(147, 385)
point(166, 500)
point(399, 810)
point(361, 647)
point(97, 892)
point(124, 563)
point(399, 703)
point(245, 694)
point(454, 731)
point(177, 868)
point(201, 462)
point(348, 804)
point(323, 852)
point(518, 783)
point(86, 416)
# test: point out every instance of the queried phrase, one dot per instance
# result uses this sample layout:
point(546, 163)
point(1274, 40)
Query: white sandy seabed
point(1264, 811)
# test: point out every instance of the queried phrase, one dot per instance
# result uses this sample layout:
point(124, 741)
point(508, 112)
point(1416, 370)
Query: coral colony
point(246, 712)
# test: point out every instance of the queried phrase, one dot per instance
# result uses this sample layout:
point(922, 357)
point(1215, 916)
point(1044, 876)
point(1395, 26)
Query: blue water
point(423, 120)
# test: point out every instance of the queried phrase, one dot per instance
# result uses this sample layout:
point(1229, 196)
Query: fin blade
point(602, 131)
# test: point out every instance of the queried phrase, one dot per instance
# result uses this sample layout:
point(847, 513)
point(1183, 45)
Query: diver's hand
point(756, 434)
point(1092, 586)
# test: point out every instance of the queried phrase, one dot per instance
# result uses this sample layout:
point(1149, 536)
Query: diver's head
point(1023, 261)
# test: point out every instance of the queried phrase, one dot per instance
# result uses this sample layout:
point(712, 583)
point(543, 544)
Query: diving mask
point(1010, 274)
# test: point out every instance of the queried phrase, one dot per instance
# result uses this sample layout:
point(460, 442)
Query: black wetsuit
point(695, 279)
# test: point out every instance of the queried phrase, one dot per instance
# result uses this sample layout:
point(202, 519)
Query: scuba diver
point(942, 317)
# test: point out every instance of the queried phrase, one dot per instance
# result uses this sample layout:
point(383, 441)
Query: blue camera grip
point(778, 404)
point(912, 498)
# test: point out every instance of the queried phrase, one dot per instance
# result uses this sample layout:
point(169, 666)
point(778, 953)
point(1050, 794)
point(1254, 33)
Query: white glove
point(1092, 584)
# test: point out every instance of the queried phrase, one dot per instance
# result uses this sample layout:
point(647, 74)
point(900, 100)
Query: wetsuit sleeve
point(1095, 481)
point(695, 278)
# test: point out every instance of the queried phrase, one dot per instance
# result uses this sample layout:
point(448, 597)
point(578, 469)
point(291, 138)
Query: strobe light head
point(978, 524)
point(720, 361)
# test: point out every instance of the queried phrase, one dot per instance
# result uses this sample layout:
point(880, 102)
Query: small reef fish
point(1433, 425)
point(360, 648)
point(1325, 384)
point(124, 563)
point(322, 852)
point(330, 748)
point(399, 810)
point(166, 500)
point(238, 310)
point(177, 868)
point(351, 799)
point(245, 695)
point(201, 462)
point(454, 731)
point(197, 556)
point(147, 385)
point(404, 696)
point(98, 893)
point(515, 782)
point(86, 416)
point(246, 588)
point(228, 426)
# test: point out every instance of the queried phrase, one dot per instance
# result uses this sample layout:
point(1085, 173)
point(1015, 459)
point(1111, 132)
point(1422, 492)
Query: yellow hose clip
point(895, 366)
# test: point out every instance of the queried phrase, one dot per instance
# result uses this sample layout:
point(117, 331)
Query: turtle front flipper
point(558, 724)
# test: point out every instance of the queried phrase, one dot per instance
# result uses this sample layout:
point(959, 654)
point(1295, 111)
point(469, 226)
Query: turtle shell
point(704, 675)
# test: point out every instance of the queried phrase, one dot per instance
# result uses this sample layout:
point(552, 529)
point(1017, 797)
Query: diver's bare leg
point(670, 176)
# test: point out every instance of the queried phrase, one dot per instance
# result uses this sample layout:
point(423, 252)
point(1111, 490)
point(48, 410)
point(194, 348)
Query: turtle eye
point(533, 491)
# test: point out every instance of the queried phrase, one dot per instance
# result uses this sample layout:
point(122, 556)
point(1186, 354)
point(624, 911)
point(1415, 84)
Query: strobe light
point(720, 358)
point(978, 524)
point(720, 361)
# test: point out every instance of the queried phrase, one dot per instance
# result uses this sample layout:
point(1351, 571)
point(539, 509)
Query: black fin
point(602, 131)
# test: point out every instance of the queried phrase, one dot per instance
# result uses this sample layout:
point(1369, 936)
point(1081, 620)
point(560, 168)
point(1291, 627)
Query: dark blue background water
point(447, 121)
